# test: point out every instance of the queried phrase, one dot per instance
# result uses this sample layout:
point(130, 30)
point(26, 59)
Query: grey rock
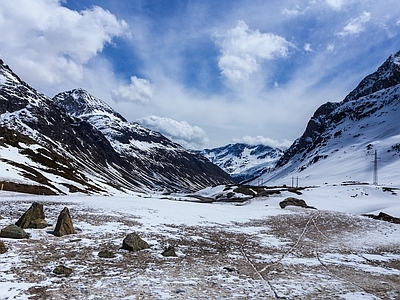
point(62, 270)
point(30, 217)
point(133, 242)
point(294, 202)
point(169, 252)
point(64, 224)
point(13, 232)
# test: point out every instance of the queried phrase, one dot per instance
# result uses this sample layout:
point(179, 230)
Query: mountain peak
point(387, 75)
point(79, 102)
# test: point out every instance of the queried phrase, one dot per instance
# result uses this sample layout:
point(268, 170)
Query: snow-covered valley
point(249, 250)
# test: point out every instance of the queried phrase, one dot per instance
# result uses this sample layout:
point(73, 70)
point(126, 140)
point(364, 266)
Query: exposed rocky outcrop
point(13, 232)
point(33, 218)
point(64, 224)
point(133, 242)
point(291, 201)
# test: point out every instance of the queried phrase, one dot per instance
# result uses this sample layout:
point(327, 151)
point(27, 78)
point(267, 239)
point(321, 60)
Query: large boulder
point(13, 232)
point(294, 202)
point(3, 248)
point(64, 224)
point(33, 218)
point(133, 242)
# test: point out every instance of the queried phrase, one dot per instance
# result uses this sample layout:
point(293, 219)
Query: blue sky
point(204, 73)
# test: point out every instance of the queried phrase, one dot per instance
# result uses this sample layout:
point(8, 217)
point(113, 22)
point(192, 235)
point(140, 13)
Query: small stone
point(3, 248)
point(133, 242)
point(169, 252)
point(106, 254)
point(62, 270)
point(13, 232)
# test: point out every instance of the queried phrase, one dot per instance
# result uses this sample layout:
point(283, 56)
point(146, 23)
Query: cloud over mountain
point(138, 91)
point(182, 132)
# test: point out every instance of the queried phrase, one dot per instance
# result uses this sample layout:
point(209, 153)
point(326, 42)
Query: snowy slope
point(147, 151)
point(341, 138)
point(243, 161)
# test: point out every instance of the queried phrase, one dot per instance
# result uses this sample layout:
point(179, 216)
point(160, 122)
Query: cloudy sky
point(204, 73)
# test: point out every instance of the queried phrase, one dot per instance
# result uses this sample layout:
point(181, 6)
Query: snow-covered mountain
point(340, 139)
point(77, 142)
point(243, 161)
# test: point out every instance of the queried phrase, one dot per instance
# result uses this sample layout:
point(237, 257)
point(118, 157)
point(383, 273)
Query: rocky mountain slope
point(77, 142)
point(340, 139)
point(243, 161)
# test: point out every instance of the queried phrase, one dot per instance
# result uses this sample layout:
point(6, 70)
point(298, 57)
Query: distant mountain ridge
point(101, 149)
point(341, 138)
point(243, 161)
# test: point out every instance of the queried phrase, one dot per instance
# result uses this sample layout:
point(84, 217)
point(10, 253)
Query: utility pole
point(375, 179)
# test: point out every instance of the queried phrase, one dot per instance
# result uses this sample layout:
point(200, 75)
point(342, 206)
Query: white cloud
point(307, 47)
point(243, 49)
point(181, 132)
point(356, 25)
point(138, 91)
point(266, 141)
point(50, 44)
point(336, 4)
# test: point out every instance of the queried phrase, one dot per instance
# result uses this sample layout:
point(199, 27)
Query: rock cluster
point(34, 218)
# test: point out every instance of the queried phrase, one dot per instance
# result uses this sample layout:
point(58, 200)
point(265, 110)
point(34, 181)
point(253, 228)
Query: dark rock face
point(13, 232)
point(62, 270)
point(64, 224)
point(33, 218)
point(133, 242)
point(3, 248)
point(294, 202)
